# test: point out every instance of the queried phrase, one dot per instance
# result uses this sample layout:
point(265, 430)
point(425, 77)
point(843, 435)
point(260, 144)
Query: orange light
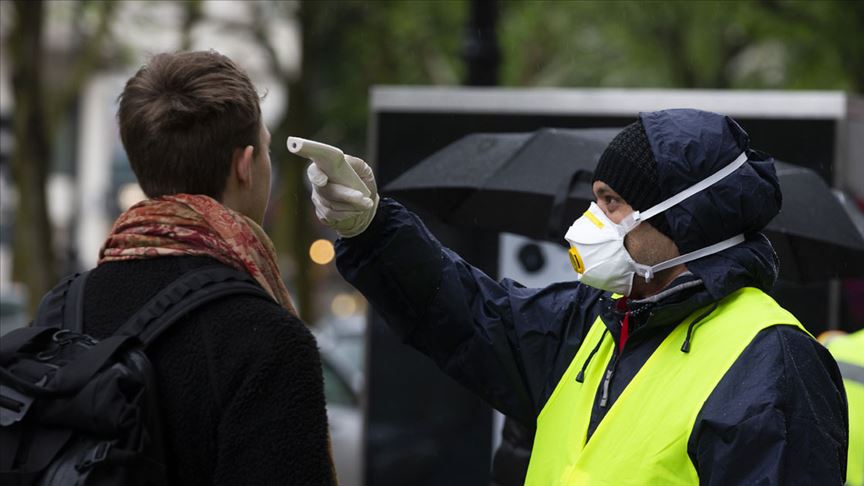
point(344, 305)
point(322, 252)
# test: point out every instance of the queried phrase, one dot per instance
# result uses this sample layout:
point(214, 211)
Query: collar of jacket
point(667, 308)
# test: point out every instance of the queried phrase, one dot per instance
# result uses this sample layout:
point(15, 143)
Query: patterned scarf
point(184, 224)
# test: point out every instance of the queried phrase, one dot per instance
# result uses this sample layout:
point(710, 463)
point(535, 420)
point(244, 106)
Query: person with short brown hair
point(239, 380)
point(181, 116)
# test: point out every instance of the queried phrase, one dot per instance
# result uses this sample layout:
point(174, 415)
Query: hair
point(181, 118)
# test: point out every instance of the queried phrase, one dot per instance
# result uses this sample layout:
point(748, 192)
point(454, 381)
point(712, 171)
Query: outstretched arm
point(499, 339)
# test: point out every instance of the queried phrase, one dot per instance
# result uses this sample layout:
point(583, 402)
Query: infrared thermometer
point(330, 160)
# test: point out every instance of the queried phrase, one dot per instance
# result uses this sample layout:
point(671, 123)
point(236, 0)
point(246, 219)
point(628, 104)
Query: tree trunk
point(291, 231)
point(34, 259)
point(480, 46)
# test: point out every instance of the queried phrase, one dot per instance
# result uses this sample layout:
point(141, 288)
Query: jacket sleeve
point(777, 417)
point(499, 339)
point(273, 426)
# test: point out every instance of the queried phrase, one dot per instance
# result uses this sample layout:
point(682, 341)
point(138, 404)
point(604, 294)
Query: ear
point(241, 165)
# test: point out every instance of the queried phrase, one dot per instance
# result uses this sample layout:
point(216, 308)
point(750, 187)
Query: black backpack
point(78, 411)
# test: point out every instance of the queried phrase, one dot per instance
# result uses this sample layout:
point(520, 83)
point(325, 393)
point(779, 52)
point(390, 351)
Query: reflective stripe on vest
point(849, 353)
point(642, 440)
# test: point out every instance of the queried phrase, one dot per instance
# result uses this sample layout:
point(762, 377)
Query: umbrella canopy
point(814, 234)
point(508, 181)
point(535, 184)
point(442, 182)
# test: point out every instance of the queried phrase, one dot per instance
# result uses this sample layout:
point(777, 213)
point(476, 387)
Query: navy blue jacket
point(777, 417)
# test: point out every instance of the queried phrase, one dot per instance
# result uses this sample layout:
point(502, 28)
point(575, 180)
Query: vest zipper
point(622, 341)
point(604, 399)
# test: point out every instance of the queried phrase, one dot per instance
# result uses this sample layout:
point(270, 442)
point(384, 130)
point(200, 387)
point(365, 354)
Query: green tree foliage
point(767, 44)
point(676, 44)
point(351, 46)
point(822, 42)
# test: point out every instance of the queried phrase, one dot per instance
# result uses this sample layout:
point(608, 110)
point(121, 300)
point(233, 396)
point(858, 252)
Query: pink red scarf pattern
point(185, 224)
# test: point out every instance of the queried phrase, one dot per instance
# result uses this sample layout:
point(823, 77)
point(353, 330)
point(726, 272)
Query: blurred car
point(346, 337)
point(341, 347)
point(13, 308)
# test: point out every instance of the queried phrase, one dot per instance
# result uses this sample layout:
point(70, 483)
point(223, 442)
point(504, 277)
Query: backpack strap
point(63, 306)
point(13, 341)
point(73, 311)
point(187, 293)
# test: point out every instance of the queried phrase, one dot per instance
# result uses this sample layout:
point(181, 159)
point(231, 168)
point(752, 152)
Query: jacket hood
point(690, 145)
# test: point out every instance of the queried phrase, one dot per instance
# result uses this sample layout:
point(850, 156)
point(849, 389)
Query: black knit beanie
point(629, 168)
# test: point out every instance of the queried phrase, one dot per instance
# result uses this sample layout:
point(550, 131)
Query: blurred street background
point(320, 65)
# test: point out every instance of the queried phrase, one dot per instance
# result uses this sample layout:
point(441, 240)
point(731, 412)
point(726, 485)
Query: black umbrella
point(535, 184)
point(814, 235)
point(531, 184)
point(443, 181)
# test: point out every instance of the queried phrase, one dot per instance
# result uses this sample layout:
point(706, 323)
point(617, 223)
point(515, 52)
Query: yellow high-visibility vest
point(642, 440)
point(849, 353)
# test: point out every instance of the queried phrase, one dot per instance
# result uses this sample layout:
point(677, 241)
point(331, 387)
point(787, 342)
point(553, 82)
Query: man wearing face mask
point(664, 361)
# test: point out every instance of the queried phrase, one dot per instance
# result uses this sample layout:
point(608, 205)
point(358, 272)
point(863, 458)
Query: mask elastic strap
point(648, 272)
point(686, 193)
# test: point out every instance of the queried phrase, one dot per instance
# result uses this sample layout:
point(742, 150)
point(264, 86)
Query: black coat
point(239, 381)
point(510, 462)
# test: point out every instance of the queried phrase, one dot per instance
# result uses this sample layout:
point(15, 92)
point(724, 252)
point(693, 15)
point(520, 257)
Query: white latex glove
point(342, 208)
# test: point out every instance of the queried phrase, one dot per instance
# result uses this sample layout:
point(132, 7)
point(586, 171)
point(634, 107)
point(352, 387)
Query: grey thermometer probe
point(330, 160)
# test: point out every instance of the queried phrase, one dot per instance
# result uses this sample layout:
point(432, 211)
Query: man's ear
point(241, 165)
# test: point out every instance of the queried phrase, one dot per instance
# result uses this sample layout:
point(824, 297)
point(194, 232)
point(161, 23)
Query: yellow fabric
point(850, 349)
point(642, 440)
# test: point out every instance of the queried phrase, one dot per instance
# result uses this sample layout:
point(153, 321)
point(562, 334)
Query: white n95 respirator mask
point(597, 249)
